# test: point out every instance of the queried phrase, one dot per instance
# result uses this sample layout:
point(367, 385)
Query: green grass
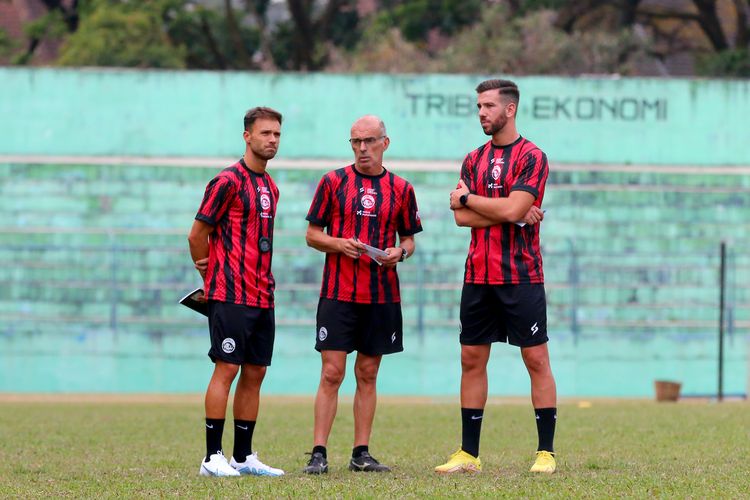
point(613, 449)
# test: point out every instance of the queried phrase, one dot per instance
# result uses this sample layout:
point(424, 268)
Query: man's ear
point(386, 142)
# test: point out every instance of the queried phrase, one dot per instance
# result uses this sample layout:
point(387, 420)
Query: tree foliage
point(513, 36)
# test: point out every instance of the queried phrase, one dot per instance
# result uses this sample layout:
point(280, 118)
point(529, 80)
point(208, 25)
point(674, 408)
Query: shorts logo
point(534, 329)
point(368, 201)
point(265, 202)
point(393, 338)
point(227, 346)
point(322, 333)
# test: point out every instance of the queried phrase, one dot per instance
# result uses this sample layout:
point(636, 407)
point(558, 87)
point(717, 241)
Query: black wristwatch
point(464, 198)
point(404, 254)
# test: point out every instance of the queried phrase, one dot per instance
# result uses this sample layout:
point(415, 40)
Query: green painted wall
point(95, 257)
point(171, 113)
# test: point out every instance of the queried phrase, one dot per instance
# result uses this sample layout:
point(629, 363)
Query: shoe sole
point(315, 473)
point(461, 469)
point(354, 468)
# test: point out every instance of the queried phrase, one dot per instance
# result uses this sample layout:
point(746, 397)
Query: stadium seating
point(98, 254)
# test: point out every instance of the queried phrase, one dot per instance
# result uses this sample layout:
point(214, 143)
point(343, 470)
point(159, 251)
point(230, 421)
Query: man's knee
point(473, 360)
point(253, 374)
point(366, 373)
point(331, 375)
point(536, 359)
point(225, 372)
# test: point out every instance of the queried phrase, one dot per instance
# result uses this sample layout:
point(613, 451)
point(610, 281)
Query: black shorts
point(516, 314)
point(241, 334)
point(372, 329)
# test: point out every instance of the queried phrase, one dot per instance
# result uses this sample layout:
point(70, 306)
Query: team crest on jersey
point(496, 172)
point(367, 201)
point(265, 202)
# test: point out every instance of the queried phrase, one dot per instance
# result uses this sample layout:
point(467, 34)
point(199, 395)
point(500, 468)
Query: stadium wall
point(96, 256)
point(100, 112)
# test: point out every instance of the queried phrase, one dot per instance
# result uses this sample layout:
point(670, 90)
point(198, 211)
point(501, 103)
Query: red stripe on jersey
point(505, 253)
point(373, 209)
point(241, 205)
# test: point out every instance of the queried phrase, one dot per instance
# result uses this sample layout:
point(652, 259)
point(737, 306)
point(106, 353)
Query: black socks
point(358, 450)
point(243, 439)
point(214, 431)
point(471, 425)
point(545, 427)
point(320, 449)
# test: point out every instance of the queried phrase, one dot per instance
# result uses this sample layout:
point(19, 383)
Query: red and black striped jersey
point(373, 209)
point(241, 206)
point(505, 253)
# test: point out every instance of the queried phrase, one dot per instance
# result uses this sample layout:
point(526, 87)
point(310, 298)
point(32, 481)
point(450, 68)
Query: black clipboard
point(191, 301)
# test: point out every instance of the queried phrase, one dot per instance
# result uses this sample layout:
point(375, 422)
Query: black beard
point(496, 126)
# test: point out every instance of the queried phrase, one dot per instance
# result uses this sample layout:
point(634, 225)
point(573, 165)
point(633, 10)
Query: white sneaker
point(217, 466)
point(255, 467)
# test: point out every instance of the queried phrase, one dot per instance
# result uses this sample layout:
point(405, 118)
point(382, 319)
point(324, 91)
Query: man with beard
point(503, 300)
point(231, 243)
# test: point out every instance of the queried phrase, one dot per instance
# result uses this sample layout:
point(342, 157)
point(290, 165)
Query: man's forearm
point(496, 210)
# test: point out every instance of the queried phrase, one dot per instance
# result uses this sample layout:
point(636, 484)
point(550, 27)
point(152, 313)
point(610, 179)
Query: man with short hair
point(503, 300)
point(231, 245)
point(359, 307)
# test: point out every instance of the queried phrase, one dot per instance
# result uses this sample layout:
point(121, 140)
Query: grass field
point(137, 448)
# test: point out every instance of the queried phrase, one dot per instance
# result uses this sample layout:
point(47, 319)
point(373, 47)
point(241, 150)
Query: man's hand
point(393, 257)
point(202, 266)
point(533, 216)
point(456, 194)
point(351, 247)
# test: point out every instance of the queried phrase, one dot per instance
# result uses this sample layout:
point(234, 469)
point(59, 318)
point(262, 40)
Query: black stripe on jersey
point(245, 216)
point(522, 244)
point(228, 275)
point(315, 216)
point(391, 179)
point(357, 182)
point(506, 228)
point(341, 195)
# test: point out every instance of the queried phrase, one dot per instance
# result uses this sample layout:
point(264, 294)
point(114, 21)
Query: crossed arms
point(484, 212)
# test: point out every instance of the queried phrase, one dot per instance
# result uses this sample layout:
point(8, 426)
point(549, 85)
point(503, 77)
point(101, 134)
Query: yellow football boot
point(460, 462)
point(545, 462)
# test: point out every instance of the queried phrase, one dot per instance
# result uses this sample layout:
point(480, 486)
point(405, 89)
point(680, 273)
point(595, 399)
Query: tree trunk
point(710, 23)
point(236, 36)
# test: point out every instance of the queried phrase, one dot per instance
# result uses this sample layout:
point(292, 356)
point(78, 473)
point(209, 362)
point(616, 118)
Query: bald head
point(369, 122)
point(369, 141)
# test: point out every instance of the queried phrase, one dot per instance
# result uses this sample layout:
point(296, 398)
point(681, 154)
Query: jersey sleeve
point(320, 208)
point(409, 221)
point(533, 173)
point(216, 200)
point(466, 174)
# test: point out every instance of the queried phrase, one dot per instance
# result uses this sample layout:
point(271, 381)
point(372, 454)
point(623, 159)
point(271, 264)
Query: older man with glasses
point(355, 216)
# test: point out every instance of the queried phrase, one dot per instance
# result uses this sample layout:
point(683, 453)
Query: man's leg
point(544, 400)
point(326, 403)
point(474, 360)
point(246, 400)
point(365, 400)
point(216, 406)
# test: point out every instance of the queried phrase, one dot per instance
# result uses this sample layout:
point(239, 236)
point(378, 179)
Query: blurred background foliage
point(560, 37)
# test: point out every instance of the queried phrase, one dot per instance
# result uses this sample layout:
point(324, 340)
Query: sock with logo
point(320, 449)
point(214, 431)
point(471, 426)
point(358, 450)
point(545, 427)
point(243, 439)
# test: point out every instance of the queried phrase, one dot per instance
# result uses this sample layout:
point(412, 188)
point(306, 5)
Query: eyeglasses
point(369, 141)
